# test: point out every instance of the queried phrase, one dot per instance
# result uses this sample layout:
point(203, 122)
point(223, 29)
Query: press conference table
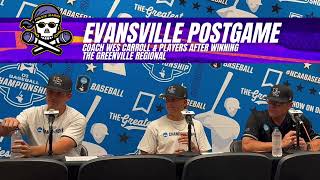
point(73, 166)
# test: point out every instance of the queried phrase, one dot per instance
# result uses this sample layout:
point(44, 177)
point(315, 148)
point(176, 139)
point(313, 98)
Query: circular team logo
point(22, 84)
point(44, 30)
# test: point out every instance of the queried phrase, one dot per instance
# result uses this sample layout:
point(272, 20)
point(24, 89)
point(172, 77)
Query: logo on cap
point(275, 92)
point(172, 90)
point(57, 80)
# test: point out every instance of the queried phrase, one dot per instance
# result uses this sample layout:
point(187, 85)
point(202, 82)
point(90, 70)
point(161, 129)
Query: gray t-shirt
point(34, 124)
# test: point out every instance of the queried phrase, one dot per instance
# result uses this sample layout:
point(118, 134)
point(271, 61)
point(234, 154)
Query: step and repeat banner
point(119, 100)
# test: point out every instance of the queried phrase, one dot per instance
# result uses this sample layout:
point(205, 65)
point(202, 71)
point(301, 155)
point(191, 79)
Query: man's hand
point(302, 143)
point(22, 147)
point(183, 139)
point(9, 124)
point(289, 139)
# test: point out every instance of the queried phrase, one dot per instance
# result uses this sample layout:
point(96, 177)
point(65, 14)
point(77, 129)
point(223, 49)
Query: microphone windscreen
point(28, 37)
point(65, 37)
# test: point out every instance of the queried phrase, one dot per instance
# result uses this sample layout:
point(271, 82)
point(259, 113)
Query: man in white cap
point(168, 134)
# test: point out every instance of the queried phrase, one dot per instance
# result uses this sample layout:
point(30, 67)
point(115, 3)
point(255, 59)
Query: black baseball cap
point(280, 93)
point(176, 91)
point(60, 82)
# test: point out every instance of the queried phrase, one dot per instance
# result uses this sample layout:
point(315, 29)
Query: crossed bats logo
point(44, 30)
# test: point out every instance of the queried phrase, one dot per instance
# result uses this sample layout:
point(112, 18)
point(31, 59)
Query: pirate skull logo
point(44, 30)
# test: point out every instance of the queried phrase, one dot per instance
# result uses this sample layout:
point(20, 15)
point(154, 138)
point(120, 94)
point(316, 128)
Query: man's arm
point(143, 152)
point(8, 125)
point(252, 145)
point(250, 139)
point(62, 146)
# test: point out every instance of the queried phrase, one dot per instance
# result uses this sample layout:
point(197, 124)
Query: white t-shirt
point(34, 124)
point(161, 136)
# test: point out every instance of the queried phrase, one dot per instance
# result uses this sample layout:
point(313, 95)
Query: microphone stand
point(189, 153)
point(51, 119)
point(296, 148)
point(297, 134)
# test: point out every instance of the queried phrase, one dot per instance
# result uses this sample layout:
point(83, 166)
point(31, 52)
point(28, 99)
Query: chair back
point(83, 150)
point(33, 168)
point(300, 166)
point(236, 146)
point(140, 167)
point(228, 166)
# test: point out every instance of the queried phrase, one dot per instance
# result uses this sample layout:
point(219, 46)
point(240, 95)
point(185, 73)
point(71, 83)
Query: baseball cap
point(280, 93)
point(176, 91)
point(60, 82)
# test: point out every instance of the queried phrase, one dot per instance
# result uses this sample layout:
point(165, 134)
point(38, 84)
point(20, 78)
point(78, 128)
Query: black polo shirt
point(260, 127)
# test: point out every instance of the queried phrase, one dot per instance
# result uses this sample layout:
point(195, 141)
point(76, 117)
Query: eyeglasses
point(50, 24)
point(278, 104)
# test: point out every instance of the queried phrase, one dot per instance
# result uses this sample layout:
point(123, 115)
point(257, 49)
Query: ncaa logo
point(39, 129)
point(22, 84)
point(166, 72)
point(165, 134)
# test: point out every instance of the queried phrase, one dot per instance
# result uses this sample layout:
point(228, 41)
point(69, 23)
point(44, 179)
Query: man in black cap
point(68, 126)
point(257, 135)
point(168, 134)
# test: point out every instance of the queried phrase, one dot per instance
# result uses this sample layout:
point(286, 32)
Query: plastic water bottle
point(15, 136)
point(276, 143)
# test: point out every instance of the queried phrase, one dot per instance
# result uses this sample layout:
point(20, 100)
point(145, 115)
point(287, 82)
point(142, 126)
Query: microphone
point(188, 115)
point(295, 115)
point(51, 113)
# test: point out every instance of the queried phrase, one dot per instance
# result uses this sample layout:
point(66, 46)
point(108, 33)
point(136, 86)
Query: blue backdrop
point(120, 100)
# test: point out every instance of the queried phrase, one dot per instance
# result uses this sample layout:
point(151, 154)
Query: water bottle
point(276, 143)
point(15, 136)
